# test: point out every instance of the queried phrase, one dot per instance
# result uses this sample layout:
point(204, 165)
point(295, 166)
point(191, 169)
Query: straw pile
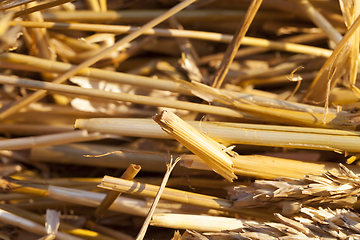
point(193, 119)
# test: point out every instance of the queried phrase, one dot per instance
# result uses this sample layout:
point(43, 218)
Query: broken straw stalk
point(210, 151)
point(204, 147)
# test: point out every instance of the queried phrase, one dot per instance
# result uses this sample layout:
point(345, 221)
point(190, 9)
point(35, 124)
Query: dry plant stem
point(46, 140)
point(17, 105)
point(64, 227)
point(265, 167)
point(11, 4)
point(4, 22)
point(197, 222)
point(75, 155)
point(243, 52)
point(170, 166)
point(111, 76)
point(132, 206)
point(140, 16)
point(37, 64)
point(126, 205)
point(40, 7)
point(133, 49)
point(236, 133)
point(103, 5)
point(235, 44)
point(350, 12)
point(33, 129)
point(169, 194)
point(92, 199)
point(93, 5)
point(112, 233)
point(152, 101)
point(254, 134)
point(31, 226)
point(129, 174)
point(320, 21)
point(210, 36)
point(290, 117)
point(207, 149)
point(339, 121)
point(174, 195)
point(179, 86)
point(316, 91)
point(43, 65)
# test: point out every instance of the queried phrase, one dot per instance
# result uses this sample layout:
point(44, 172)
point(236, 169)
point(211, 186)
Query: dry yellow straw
point(236, 133)
point(209, 36)
point(197, 222)
point(61, 88)
point(148, 190)
point(51, 139)
point(9, 218)
point(17, 105)
point(266, 167)
point(204, 147)
point(143, 189)
point(64, 227)
point(129, 174)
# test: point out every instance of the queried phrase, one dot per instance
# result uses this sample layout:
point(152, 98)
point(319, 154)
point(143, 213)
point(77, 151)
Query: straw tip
point(80, 123)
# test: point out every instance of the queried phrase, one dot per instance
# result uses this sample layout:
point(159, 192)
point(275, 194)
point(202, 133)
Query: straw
point(59, 88)
point(30, 226)
point(207, 149)
point(197, 222)
point(229, 55)
point(148, 190)
point(51, 139)
point(210, 36)
point(64, 227)
point(16, 105)
point(320, 21)
point(235, 133)
point(110, 197)
point(316, 92)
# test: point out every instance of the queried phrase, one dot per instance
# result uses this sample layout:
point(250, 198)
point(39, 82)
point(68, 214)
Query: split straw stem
point(204, 147)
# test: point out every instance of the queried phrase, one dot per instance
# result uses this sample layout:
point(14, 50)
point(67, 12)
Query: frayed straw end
point(204, 147)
